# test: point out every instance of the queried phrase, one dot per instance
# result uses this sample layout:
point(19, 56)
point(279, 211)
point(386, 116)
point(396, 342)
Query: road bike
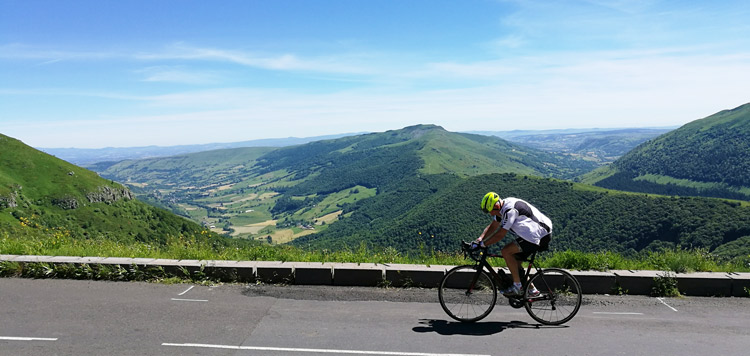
point(468, 293)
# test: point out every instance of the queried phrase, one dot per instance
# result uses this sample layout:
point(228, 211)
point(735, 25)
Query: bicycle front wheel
point(467, 293)
point(559, 300)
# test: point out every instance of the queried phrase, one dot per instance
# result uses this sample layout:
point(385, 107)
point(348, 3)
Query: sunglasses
point(486, 211)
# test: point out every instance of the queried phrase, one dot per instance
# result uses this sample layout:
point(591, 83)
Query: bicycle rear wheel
point(467, 293)
point(559, 300)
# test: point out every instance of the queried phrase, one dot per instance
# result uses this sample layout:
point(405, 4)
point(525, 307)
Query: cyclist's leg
point(523, 249)
point(509, 255)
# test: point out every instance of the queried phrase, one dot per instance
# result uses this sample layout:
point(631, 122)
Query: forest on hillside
point(706, 157)
point(720, 155)
point(437, 212)
point(628, 181)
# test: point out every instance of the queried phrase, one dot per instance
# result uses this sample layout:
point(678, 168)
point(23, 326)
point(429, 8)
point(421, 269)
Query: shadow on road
point(444, 327)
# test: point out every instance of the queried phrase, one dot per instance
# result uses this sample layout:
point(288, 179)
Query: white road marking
point(665, 303)
point(16, 338)
point(617, 313)
point(187, 290)
point(256, 348)
point(190, 300)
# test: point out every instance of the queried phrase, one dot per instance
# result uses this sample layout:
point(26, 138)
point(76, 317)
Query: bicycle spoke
point(466, 294)
point(560, 299)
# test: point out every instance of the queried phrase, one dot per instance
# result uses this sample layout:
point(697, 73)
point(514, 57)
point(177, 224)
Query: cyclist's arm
point(489, 230)
point(496, 237)
point(507, 222)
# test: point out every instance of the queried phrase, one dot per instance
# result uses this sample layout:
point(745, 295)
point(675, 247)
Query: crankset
point(515, 302)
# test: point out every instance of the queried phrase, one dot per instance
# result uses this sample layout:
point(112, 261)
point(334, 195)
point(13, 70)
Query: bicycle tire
point(467, 293)
point(560, 297)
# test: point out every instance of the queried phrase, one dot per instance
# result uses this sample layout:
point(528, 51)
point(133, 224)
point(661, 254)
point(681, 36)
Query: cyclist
point(531, 226)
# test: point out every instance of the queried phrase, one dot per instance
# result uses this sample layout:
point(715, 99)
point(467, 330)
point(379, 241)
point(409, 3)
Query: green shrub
point(9, 269)
point(665, 285)
point(617, 289)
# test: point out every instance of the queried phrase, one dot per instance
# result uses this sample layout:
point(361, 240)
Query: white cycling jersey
point(524, 220)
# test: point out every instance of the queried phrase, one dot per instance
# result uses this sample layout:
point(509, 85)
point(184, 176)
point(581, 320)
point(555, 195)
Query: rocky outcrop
point(8, 201)
point(66, 203)
point(109, 194)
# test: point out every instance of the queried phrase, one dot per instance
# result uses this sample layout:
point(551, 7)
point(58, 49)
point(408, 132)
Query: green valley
point(407, 192)
point(281, 194)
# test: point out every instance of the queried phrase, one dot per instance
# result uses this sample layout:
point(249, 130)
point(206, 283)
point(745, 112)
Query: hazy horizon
point(564, 130)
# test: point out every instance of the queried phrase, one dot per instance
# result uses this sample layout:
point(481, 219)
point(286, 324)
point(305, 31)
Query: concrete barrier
point(274, 272)
point(635, 282)
point(308, 273)
point(594, 282)
point(358, 274)
point(709, 284)
point(401, 275)
point(740, 284)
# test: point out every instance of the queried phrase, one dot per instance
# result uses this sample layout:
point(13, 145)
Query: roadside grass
point(674, 260)
point(57, 242)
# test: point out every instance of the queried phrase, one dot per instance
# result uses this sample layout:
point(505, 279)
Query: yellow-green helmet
point(489, 200)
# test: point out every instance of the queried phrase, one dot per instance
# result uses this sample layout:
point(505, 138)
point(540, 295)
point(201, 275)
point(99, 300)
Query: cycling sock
point(518, 285)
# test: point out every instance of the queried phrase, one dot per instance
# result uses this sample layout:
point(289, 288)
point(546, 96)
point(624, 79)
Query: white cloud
point(280, 62)
point(340, 63)
point(179, 74)
point(17, 51)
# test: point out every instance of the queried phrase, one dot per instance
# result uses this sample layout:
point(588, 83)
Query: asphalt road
point(65, 317)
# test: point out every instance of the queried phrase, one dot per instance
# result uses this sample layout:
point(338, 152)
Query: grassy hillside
point(284, 193)
point(468, 155)
point(39, 176)
point(707, 157)
point(436, 213)
point(42, 196)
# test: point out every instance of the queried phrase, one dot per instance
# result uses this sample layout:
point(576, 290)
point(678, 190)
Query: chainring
point(515, 302)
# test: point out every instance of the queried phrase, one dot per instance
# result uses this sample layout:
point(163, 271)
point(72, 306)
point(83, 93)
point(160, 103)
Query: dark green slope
point(707, 157)
point(40, 194)
point(584, 219)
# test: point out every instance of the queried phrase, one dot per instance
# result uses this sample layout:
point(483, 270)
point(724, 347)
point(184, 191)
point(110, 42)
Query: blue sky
point(92, 74)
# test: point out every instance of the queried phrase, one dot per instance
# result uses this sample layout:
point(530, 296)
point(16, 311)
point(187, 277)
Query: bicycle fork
point(473, 283)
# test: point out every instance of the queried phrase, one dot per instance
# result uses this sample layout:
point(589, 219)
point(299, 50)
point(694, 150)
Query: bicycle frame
point(556, 297)
point(524, 275)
